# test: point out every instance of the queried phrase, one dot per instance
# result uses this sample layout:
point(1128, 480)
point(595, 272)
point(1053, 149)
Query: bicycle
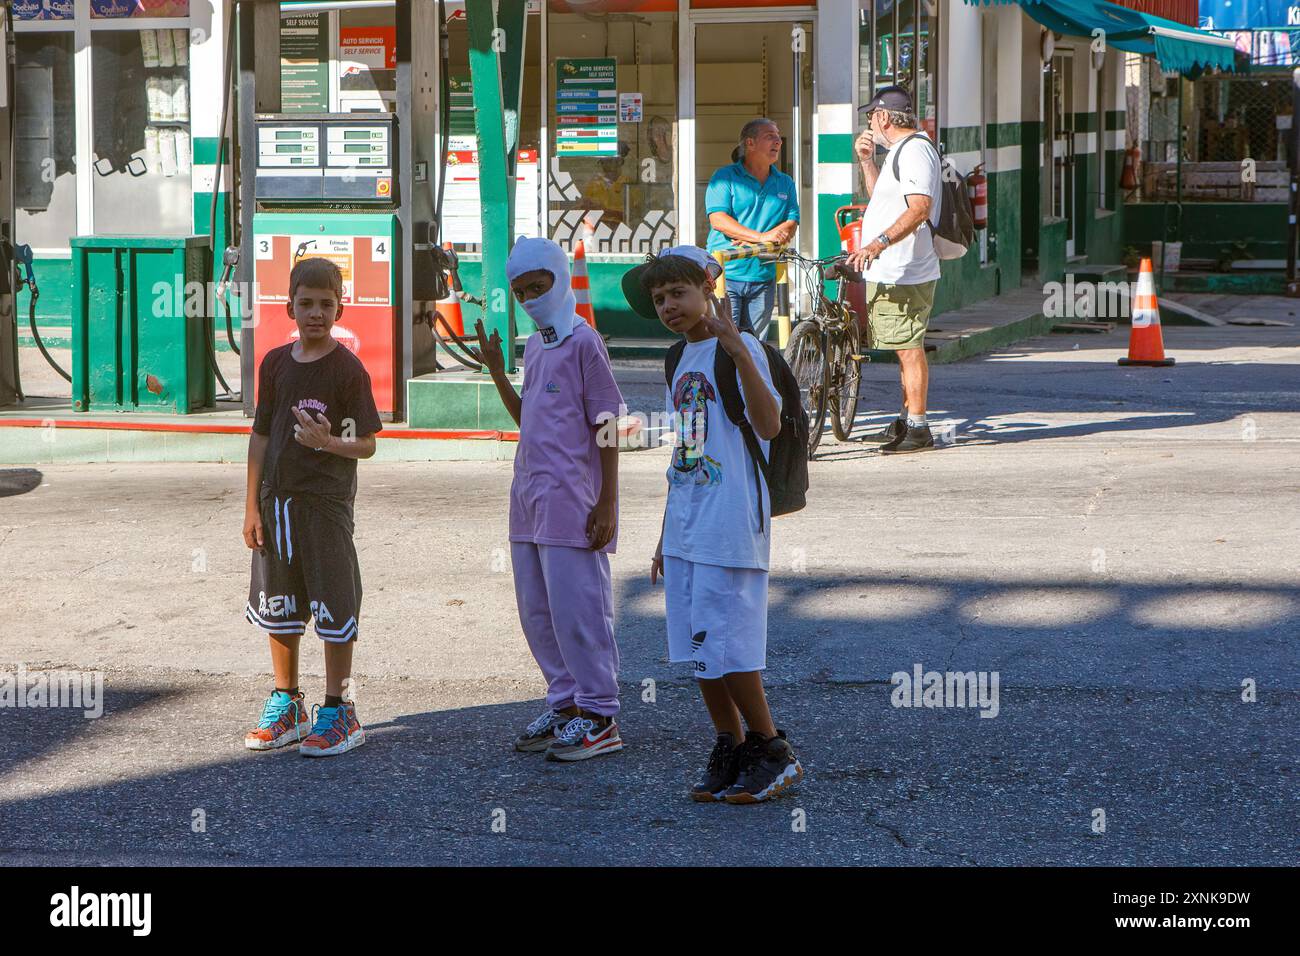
point(825, 350)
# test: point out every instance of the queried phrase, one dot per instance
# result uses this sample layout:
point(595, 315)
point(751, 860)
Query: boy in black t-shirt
point(315, 417)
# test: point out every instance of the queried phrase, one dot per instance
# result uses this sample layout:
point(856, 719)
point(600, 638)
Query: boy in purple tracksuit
point(563, 507)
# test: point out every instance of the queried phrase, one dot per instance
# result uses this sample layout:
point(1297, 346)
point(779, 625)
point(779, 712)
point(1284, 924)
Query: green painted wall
point(1209, 228)
point(1051, 251)
point(1006, 225)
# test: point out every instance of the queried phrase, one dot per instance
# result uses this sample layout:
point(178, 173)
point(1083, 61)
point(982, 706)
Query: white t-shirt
point(912, 259)
point(713, 512)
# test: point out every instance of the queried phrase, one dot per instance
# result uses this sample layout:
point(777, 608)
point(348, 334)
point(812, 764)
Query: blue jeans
point(751, 305)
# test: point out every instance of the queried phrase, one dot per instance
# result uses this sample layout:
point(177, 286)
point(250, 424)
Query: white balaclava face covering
point(556, 311)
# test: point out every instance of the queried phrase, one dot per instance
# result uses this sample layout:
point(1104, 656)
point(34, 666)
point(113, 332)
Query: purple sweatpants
point(566, 607)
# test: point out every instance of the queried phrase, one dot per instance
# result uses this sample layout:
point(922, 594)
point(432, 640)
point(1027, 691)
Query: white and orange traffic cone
point(581, 284)
point(449, 309)
point(1146, 344)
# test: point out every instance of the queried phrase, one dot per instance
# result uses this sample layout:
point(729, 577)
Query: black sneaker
point(916, 439)
point(891, 432)
point(768, 767)
point(724, 766)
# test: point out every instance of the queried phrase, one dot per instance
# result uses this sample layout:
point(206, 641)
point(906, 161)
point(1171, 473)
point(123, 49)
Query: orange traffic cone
point(1146, 345)
point(581, 285)
point(449, 309)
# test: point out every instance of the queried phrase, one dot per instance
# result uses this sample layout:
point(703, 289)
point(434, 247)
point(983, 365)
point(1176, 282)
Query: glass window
point(367, 60)
point(45, 173)
point(898, 44)
point(611, 119)
point(462, 212)
point(140, 109)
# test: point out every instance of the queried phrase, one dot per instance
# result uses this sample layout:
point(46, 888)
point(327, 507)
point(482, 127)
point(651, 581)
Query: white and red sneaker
point(582, 737)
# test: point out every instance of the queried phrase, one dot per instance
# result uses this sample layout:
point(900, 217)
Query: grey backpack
point(956, 229)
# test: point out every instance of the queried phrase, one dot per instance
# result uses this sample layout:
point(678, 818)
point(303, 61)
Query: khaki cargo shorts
point(899, 314)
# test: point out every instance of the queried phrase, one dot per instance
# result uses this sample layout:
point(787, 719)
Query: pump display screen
point(352, 146)
point(324, 158)
point(288, 146)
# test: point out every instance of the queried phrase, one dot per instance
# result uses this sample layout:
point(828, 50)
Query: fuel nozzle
point(229, 260)
point(23, 257)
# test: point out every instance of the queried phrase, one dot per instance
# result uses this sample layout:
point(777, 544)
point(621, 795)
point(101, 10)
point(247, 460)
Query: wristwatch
point(882, 239)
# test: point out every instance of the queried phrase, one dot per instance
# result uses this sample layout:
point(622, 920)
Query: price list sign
point(586, 107)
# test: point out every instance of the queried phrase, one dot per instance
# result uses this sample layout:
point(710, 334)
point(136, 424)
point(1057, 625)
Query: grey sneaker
point(768, 767)
point(916, 439)
point(542, 732)
point(583, 738)
point(891, 432)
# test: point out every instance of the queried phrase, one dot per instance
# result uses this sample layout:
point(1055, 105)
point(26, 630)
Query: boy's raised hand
point(717, 319)
point(489, 349)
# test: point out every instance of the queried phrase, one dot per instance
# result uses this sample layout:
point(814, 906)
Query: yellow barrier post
point(782, 306)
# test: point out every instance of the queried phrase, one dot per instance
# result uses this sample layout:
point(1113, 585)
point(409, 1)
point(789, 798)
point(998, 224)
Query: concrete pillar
point(835, 123)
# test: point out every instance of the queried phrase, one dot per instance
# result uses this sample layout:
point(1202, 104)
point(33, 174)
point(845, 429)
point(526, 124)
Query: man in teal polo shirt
point(752, 201)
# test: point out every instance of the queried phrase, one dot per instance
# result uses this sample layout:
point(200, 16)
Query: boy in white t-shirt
point(713, 550)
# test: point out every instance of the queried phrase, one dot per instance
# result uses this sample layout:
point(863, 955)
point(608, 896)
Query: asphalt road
point(1118, 545)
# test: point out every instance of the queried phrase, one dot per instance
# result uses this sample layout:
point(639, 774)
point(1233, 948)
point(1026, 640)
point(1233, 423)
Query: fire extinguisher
point(978, 184)
point(1128, 179)
point(848, 221)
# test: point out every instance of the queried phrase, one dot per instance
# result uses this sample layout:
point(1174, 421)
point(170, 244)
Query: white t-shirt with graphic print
point(713, 506)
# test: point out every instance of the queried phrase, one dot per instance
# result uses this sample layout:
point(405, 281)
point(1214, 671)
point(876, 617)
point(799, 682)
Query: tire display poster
point(586, 107)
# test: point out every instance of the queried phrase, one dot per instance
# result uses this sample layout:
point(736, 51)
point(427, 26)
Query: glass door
point(1059, 82)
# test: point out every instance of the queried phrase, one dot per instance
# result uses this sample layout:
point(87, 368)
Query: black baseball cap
point(889, 98)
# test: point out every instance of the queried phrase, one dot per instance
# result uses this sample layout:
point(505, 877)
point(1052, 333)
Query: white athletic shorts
point(717, 617)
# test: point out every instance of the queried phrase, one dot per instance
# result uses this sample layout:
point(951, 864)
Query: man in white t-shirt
point(897, 256)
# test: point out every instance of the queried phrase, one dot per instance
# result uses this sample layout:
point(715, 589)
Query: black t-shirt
point(337, 386)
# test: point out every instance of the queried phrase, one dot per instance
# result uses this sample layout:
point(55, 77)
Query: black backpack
point(786, 471)
point(956, 229)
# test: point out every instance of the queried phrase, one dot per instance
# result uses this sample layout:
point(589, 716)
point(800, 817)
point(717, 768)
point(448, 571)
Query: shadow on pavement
point(1117, 695)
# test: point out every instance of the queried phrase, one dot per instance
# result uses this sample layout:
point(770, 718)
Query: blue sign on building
point(1249, 14)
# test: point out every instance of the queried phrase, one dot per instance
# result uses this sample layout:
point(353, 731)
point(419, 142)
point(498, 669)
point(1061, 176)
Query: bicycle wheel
point(848, 378)
point(805, 353)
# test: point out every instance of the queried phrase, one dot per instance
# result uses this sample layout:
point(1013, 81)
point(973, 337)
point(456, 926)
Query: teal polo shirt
point(755, 205)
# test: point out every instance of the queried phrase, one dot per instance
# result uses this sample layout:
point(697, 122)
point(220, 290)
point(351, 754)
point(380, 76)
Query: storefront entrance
point(747, 64)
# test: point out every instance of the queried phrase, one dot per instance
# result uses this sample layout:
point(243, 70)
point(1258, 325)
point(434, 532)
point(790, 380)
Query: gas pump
point(325, 187)
point(359, 188)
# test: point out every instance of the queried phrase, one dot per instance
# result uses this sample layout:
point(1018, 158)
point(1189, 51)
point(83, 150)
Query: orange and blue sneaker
point(334, 730)
point(283, 721)
point(583, 737)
